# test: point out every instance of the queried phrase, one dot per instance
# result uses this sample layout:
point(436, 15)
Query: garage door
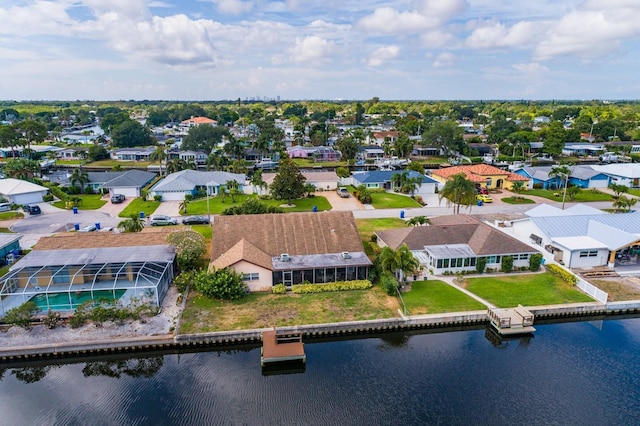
point(172, 196)
point(31, 198)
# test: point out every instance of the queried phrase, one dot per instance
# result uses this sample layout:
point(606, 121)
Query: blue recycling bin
point(75, 210)
point(401, 214)
point(314, 209)
point(98, 226)
point(141, 215)
point(479, 203)
point(76, 226)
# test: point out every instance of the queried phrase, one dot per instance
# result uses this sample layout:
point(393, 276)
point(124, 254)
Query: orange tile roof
point(477, 172)
point(199, 120)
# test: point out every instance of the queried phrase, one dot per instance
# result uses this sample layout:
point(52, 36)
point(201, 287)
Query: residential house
point(290, 249)
point(63, 271)
point(129, 183)
point(196, 157)
point(580, 236)
point(627, 174)
point(9, 246)
point(21, 192)
point(185, 125)
point(370, 153)
point(454, 243)
point(382, 179)
point(133, 154)
point(71, 154)
point(483, 175)
point(582, 176)
point(316, 153)
point(175, 186)
point(377, 138)
point(323, 181)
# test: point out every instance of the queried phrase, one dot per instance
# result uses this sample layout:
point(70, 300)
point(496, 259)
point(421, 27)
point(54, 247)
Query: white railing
point(592, 290)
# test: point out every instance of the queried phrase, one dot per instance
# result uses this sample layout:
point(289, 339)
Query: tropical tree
point(623, 203)
point(363, 194)
point(159, 155)
point(418, 221)
point(9, 137)
point(183, 206)
point(446, 135)
point(79, 178)
point(288, 184)
point(309, 189)
point(233, 189)
point(133, 223)
point(400, 262)
point(618, 189)
point(458, 191)
point(131, 133)
point(204, 138)
point(22, 168)
point(190, 246)
point(562, 172)
point(517, 186)
point(403, 145)
point(33, 131)
point(258, 182)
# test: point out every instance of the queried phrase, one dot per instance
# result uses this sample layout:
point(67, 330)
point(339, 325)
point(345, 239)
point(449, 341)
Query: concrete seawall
point(333, 330)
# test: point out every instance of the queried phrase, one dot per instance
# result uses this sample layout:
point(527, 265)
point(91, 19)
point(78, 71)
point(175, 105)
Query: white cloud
point(388, 21)
point(498, 35)
point(234, 7)
point(382, 55)
point(314, 49)
point(531, 68)
point(40, 17)
point(435, 39)
point(443, 10)
point(445, 60)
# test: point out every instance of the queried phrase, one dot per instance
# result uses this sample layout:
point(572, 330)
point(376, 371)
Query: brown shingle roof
point(243, 250)
point(455, 229)
point(292, 233)
point(99, 239)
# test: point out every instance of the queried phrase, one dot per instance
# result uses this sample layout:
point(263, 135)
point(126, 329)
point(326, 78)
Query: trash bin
point(76, 226)
point(479, 203)
point(141, 215)
point(401, 214)
point(75, 210)
point(314, 209)
point(98, 226)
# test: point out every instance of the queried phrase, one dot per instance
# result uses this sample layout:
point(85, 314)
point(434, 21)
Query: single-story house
point(323, 181)
point(9, 244)
point(483, 175)
point(627, 174)
point(128, 183)
point(63, 271)
point(382, 179)
point(21, 192)
point(290, 249)
point(176, 185)
point(317, 153)
point(133, 154)
point(583, 176)
point(580, 236)
point(454, 243)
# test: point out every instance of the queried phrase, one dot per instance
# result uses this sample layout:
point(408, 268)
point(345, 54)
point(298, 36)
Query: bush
point(481, 263)
point(52, 319)
point(279, 289)
point(563, 274)
point(22, 315)
point(190, 246)
point(225, 284)
point(507, 264)
point(47, 198)
point(157, 198)
point(389, 283)
point(335, 286)
point(182, 280)
point(535, 261)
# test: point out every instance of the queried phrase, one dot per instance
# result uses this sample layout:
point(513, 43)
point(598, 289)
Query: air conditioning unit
point(345, 255)
point(284, 257)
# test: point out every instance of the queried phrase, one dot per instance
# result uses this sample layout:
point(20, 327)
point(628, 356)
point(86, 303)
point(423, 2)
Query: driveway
point(169, 208)
point(114, 210)
point(339, 203)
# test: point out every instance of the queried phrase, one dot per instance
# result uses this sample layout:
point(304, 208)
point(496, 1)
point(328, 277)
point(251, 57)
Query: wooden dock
point(281, 346)
point(512, 320)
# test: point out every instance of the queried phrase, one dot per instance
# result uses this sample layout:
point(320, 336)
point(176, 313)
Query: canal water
point(577, 373)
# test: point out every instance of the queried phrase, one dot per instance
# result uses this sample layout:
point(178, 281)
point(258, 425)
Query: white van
point(5, 207)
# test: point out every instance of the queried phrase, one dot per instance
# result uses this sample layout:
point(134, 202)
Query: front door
point(287, 279)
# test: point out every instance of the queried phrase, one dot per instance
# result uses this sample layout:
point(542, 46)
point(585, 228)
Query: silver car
point(162, 220)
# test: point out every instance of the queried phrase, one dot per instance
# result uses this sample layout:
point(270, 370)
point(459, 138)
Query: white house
point(21, 192)
point(175, 186)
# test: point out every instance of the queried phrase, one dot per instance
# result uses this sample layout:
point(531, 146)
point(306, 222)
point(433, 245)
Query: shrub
point(335, 286)
point(47, 198)
point(22, 315)
point(481, 263)
point(535, 261)
point(182, 280)
point(190, 246)
point(563, 274)
point(225, 284)
point(77, 321)
point(279, 289)
point(507, 264)
point(389, 283)
point(52, 319)
point(157, 198)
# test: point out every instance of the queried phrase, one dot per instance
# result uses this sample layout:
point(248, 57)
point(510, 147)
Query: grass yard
point(435, 296)
point(518, 200)
point(89, 202)
point(367, 227)
point(525, 289)
point(138, 205)
point(303, 204)
point(389, 200)
point(204, 230)
point(584, 196)
point(124, 164)
point(258, 310)
point(11, 215)
point(217, 204)
point(6, 230)
point(634, 192)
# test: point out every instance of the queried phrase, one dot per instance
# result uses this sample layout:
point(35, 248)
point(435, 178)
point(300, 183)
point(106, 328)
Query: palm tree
point(183, 205)
point(159, 155)
point(401, 261)
point(618, 189)
point(79, 177)
point(399, 179)
point(562, 172)
point(257, 181)
point(418, 221)
point(233, 189)
point(458, 191)
point(132, 224)
point(412, 184)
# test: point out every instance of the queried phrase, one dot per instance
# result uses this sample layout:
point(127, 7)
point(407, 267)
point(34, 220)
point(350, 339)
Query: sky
point(319, 49)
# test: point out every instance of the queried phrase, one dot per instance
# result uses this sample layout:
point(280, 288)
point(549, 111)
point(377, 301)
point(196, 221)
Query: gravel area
point(161, 324)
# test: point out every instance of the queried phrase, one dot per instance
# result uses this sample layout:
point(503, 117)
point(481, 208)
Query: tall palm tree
point(563, 172)
point(160, 155)
point(257, 182)
point(79, 177)
point(401, 261)
point(458, 191)
point(132, 224)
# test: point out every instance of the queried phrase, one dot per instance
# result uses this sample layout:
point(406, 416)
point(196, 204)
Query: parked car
point(31, 209)
point(5, 207)
point(484, 198)
point(484, 191)
point(162, 220)
point(343, 192)
point(88, 228)
point(196, 220)
point(117, 198)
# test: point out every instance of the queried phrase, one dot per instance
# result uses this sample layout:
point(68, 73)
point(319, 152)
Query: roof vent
point(345, 255)
point(284, 257)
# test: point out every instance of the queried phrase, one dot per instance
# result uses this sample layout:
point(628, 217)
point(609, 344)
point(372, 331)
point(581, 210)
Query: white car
point(162, 220)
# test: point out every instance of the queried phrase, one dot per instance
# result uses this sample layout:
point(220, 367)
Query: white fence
point(592, 290)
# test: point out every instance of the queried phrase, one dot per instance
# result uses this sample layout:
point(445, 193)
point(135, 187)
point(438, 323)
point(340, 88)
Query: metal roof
point(187, 180)
point(579, 243)
point(379, 176)
point(453, 251)
point(329, 260)
point(7, 238)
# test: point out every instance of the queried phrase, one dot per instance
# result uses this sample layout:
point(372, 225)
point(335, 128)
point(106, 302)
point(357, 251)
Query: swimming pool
point(61, 302)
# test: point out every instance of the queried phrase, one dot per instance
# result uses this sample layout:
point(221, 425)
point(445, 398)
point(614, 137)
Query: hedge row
point(563, 274)
point(335, 286)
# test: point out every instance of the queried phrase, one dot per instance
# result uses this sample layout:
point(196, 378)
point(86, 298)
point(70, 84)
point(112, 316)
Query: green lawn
point(258, 310)
point(6, 230)
point(11, 215)
point(389, 200)
point(204, 230)
point(218, 204)
point(89, 202)
point(434, 296)
point(111, 163)
point(138, 205)
point(367, 227)
point(518, 200)
point(525, 289)
point(585, 195)
point(634, 191)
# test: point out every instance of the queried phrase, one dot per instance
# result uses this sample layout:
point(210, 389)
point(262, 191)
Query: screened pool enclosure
point(60, 280)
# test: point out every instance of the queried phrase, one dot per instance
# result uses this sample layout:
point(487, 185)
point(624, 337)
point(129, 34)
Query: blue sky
point(319, 49)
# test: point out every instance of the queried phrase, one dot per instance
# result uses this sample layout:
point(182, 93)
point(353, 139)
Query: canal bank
point(437, 322)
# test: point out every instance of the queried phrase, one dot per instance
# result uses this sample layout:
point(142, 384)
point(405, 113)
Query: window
point(252, 276)
point(589, 253)
point(493, 259)
point(521, 257)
